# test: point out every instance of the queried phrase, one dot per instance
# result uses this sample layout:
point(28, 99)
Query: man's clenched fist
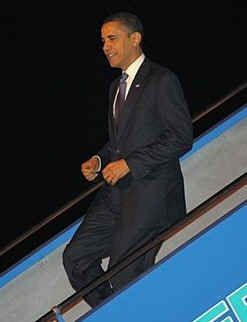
point(89, 168)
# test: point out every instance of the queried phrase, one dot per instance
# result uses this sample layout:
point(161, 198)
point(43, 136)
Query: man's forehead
point(112, 28)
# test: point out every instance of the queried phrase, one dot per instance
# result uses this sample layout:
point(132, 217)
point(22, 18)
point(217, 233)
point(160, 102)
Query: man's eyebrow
point(109, 37)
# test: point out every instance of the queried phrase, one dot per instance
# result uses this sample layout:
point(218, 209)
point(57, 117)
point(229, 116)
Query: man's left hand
point(115, 171)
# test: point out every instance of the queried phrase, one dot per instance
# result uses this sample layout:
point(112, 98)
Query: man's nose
point(106, 47)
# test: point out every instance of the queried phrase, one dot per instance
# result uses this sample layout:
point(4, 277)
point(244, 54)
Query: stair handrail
point(220, 102)
point(50, 218)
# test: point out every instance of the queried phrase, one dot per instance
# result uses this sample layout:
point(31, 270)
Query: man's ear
point(136, 38)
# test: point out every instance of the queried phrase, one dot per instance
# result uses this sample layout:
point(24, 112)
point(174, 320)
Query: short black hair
point(130, 20)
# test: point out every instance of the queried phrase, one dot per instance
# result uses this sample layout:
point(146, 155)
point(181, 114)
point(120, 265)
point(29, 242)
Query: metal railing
point(50, 218)
point(221, 102)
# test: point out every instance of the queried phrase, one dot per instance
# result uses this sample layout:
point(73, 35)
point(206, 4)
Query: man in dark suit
point(144, 191)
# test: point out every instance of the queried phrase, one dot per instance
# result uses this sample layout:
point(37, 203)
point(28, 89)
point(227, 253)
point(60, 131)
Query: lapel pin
point(137, 85)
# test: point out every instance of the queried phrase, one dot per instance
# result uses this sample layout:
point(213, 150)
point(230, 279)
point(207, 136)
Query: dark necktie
point(121, 96)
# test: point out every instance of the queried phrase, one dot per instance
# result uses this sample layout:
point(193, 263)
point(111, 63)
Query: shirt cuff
point(99, 159)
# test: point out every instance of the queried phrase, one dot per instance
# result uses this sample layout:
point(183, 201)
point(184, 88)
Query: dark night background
point(53, 59)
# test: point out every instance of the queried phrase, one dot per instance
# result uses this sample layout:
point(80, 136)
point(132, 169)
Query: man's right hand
point(89, 168)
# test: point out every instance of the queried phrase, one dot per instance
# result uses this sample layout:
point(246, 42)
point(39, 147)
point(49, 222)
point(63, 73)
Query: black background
point(57, 84)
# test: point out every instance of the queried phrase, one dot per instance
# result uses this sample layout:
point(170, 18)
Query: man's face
point(120, 47)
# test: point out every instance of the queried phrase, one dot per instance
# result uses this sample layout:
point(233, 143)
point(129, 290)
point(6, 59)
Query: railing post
point(59, 317)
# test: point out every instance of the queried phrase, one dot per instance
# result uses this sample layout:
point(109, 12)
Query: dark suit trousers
point(97, 238)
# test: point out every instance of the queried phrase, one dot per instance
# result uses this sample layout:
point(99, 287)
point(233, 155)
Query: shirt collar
point(133, 68)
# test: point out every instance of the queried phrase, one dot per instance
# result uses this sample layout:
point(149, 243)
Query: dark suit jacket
point(155, 129)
